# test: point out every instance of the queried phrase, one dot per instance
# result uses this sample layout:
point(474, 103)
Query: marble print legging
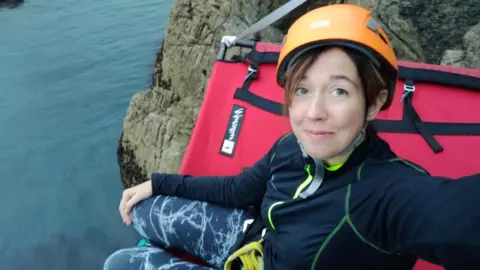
point(205, 230)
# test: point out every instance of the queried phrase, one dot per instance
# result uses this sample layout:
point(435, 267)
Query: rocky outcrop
point(424, 30)
point(467, 53)
point(160, 120)
point(11, 3)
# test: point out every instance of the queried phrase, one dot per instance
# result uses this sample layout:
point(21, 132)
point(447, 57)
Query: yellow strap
point(251, 256)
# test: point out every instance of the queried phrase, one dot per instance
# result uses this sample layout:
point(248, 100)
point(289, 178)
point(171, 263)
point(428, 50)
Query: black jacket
point(377, 211)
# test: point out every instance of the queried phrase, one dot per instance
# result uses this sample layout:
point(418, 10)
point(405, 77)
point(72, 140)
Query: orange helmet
point(343, 25)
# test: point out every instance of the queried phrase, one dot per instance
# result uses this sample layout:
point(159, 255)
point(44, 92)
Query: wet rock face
point(160, 120)
point(11, 3)
point(424, 30)
point(467, 53)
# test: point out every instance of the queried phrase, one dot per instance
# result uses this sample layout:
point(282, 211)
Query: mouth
point(318, 133)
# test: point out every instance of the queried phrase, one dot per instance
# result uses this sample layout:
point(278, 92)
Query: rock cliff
point(11, 3)
point(159, 120)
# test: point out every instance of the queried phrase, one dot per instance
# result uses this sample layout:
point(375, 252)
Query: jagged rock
point(453, 58)
point(400, 28)
point(469, 54)
point(160, 120)
point(11, 3)
point(471, 43)
point(422, 30)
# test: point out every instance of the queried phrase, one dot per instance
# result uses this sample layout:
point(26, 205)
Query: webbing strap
point(435, 128)
point(265, 21)
point(439, 77)
point(262, 57)
point(410, 113)
point(404, 73)
point(253, 99)
point(411, 122)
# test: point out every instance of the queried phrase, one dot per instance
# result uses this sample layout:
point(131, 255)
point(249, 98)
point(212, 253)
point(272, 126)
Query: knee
point(143, 210)
point(135, 258)
point(118, 260)
point(144, 206)
point(153, 214)
point(141, 216)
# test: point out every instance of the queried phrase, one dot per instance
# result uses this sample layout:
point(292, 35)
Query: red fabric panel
point(260, 129)
point(268, 47)
point(438, 103)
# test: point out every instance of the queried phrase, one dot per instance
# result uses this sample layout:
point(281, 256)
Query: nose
point(317, 110)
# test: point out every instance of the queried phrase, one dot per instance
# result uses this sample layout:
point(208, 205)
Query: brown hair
point(372, 82)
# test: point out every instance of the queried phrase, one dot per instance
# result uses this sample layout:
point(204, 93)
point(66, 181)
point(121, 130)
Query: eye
point(339, 92)
point(301, 91)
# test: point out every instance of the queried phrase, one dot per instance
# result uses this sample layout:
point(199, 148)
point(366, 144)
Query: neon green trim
point(333, 167)
point(279, 141)
point(284, 136)
point(359, 171)
point(305, 183)
point(302, 186)
point(329, 237)
point(273, 156)
point(349, 221)
point(270, 213)
point(408, 163)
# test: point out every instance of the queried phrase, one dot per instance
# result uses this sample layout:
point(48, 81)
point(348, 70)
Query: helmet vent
point(373, 25)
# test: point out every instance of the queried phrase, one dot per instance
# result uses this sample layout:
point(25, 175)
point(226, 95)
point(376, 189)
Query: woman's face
point(328, 107)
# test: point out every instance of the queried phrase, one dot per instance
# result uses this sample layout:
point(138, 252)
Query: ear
point(377, 105)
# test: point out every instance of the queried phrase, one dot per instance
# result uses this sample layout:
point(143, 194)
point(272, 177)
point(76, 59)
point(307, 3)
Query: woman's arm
point(436, 219)
point(242, 190)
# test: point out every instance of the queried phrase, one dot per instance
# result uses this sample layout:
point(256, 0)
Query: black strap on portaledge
point(243, 93)
point(439, 77)
point(435, 128)
point(262, 57)
point(404, 72)
point(410, 122)
point(411, 114)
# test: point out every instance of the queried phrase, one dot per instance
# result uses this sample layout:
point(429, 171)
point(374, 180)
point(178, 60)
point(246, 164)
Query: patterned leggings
point(205, 230)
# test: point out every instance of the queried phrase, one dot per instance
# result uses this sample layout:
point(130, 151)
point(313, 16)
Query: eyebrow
point(338, 77)
point(343, 77)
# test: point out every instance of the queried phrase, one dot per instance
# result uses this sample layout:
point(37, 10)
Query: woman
point(332, 194)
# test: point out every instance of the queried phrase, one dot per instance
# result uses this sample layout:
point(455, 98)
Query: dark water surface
point(67, 72)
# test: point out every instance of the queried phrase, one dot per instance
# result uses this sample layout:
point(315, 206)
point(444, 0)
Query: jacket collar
point(371, 146)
